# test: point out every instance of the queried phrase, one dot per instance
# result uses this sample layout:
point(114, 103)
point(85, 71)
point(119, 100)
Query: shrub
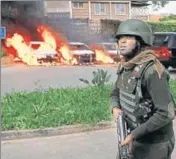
point(163, 26)
point(99, 78)
point(109, 27)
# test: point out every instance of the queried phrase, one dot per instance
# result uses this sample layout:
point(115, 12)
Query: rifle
point(122, 132)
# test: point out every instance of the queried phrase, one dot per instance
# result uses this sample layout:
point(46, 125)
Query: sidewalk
point(100, 144)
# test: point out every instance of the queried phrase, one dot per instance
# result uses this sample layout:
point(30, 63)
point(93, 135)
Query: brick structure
point(96, 10)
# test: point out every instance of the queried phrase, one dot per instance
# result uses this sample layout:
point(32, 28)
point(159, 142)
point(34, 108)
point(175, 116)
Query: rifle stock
point(122, 133)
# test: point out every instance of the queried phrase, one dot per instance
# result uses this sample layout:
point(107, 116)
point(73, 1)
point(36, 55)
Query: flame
point(23, 50)
point(58, 43)
point(67, 57)
point(18, 44)
point(102, 55)
point(47, 36)
point(43, 47)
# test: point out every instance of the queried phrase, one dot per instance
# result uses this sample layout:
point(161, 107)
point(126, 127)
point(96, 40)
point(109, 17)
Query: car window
point(41, 46)
point(79, 47)
point(35, 46)
point(160, 40)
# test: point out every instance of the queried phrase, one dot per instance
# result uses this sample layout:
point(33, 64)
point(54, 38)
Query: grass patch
point(57, 107)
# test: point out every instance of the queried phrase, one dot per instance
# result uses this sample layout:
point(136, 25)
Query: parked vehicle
point(164, 45)
point(112, 50)
point(44, 51)
point(82, 52)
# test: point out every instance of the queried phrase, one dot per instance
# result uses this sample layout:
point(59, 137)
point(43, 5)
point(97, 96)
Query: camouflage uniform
point(139, 88)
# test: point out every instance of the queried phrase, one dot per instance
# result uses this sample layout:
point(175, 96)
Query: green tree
point(155, 4)
point(159, 4)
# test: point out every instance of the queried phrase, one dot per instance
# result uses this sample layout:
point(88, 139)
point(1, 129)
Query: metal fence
point(141, 13)
point(59, 15)
point(84, 30)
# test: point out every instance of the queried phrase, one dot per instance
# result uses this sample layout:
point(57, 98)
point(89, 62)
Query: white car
point(43, 50)
point(112, 49)
point(82, 52)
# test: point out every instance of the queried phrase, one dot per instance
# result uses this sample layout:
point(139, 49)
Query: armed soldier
point(142, 92)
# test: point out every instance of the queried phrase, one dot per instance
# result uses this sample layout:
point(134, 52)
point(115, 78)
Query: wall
point(57, 6)
point(98, 17)
point(120, 17)
point(81, 12)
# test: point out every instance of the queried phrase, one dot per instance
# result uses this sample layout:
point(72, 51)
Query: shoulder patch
point(134, 73)
point(136, 70)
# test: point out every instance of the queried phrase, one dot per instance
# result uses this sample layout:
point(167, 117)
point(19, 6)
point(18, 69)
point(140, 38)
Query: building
point(97, 9)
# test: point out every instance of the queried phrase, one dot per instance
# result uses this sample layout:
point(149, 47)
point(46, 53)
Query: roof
point(140, 4)
point(76, 43)
point(155, 17)
point(37, 42)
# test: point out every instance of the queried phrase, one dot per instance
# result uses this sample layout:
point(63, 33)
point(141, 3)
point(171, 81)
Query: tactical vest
point(136, 109)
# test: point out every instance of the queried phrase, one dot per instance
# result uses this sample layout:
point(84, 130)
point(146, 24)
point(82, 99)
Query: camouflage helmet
point(137, 28)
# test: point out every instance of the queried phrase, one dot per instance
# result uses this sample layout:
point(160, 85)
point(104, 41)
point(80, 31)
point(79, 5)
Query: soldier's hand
point(115, 112)
point(128, 140)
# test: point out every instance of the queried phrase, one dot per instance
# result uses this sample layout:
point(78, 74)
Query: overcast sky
point(169, 8)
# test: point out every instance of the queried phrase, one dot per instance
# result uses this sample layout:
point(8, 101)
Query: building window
point(78, 5)
point(100, 8)
point(120, 9)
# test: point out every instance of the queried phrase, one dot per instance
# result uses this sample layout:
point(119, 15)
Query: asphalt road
point(100, 144)
point(21, 78)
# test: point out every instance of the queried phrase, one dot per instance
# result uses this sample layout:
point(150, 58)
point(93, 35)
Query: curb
point(8, 65)
point(63, 130)
point(7, 61)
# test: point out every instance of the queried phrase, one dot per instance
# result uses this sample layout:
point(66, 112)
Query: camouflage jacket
point(159, 91)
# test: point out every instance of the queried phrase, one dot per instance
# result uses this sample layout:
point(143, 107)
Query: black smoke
point(27, 15)
point(22, 15)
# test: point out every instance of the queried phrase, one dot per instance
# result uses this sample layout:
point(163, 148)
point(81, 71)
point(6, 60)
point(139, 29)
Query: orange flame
point(23, 50)
point(67, 56)
point(102, 55)
point(47, 36)
point(58, 43)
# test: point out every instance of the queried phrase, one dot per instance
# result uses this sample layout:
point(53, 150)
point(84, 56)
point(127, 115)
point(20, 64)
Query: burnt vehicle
point(44, 51)
point(82, 52)
point(112, 50)
point(164, 46)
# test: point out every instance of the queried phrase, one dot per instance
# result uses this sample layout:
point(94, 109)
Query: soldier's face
point(126, 45)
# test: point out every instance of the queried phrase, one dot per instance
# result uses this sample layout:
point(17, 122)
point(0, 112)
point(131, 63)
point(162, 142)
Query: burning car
point(44, 51)
point(112, 50)
point(55, 49)
point(106, 52)
point(82, 52)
